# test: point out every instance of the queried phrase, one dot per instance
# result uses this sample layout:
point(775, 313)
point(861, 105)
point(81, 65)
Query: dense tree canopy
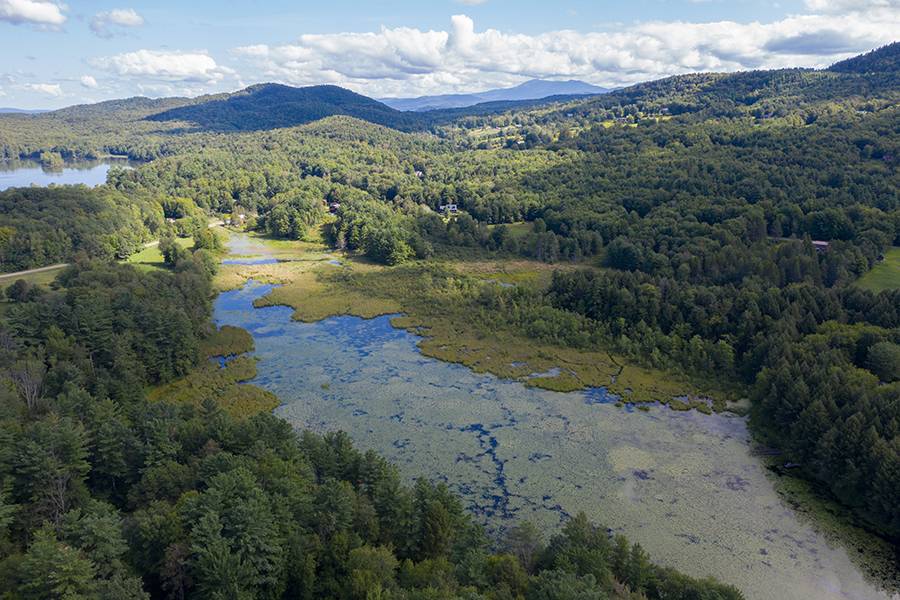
point(42, 226)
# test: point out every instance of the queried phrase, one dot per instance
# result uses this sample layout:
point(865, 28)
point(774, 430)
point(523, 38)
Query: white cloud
point(88, 82)
point(407, 62)
point(197, 66)
point(49, 89)
point(472, 2)
point(105, 24)
point(845, 6)
point(126, 17)
point(42, 13)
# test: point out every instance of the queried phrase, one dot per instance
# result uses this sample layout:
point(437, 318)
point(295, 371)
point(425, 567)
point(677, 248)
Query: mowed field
point(151, 257)
point(885, 275)
point(148, 258)
point(39, 278)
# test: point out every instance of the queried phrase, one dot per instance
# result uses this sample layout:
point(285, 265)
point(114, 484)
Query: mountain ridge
point(274, 105)
point(885, 59)
point(534, 89)
point(761, 94)
point(8, 110)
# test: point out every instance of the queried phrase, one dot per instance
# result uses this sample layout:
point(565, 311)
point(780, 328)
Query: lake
point(26, 173)
point(683, 484)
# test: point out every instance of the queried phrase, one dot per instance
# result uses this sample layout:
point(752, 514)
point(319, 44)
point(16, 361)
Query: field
point(41, 278)
point(150, 257)
point(885, 275)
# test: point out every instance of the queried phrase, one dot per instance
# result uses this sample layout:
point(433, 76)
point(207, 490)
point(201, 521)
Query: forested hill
point(273, 106)
point(145, 128)
point(124, 109)
point(698, 97)
point(270, 106)
point(882, 60)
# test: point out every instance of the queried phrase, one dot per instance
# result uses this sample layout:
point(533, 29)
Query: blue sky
point(57, 54)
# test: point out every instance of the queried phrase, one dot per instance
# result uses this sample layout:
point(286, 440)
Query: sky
point(55, 53)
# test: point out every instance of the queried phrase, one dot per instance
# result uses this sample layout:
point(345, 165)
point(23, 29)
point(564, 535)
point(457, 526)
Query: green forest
point(714, 226)
point(110, 495)
point(43, 226)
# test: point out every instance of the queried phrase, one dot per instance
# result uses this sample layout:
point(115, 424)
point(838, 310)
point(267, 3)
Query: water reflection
point(27, 173)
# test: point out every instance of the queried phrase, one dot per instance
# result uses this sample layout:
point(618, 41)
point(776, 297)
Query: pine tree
point(52, 570)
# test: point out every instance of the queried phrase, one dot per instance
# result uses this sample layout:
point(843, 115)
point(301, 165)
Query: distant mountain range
point(20, 111)
point(535, 89)
point(270, 105)
point(273, 105)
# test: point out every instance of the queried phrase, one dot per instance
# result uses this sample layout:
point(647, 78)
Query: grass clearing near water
point(227, 341)
point(222, 383)
point(225, 385)
point(151, 258)
point(883, 276)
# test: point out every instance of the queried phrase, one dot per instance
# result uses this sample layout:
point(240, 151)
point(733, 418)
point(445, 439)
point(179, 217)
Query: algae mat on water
point(683, 484)
point(441, 304)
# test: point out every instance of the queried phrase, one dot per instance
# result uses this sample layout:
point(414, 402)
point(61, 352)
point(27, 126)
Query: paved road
point(8, 276)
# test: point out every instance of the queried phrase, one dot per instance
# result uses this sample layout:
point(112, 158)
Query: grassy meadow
point(151, 258)
point(885, 275)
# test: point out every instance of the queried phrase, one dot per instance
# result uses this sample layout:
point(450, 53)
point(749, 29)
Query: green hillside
point(270, 106)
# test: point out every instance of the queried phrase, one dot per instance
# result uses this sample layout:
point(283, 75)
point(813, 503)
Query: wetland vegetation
point(496, 441)
point(651, 309)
